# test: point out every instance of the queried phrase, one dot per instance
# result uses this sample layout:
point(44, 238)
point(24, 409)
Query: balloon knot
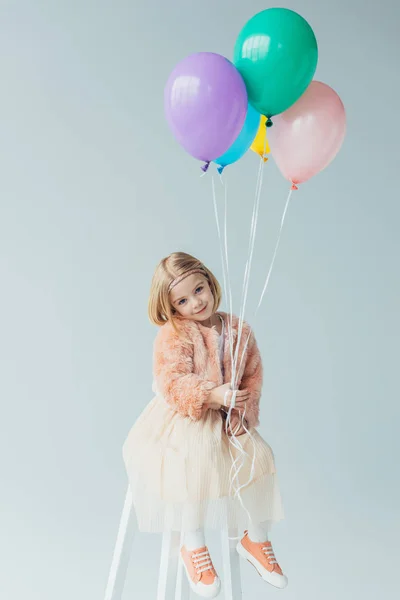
point(220, 169)
point(269, 122)
point(205, 167)
point(294, 186)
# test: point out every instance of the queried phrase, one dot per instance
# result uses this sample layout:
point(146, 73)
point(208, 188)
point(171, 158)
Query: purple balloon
point(205, 102)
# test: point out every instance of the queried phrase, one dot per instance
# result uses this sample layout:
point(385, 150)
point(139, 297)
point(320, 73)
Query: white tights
point(196, 539)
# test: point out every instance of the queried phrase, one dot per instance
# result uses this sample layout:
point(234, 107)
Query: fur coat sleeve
point(184, 390)
point(252, 380)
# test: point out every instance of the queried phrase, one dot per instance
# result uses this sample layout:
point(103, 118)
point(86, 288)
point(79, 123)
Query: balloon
point(205, 103)
point(307, 137)
point(277, 54)
point(260, 144)
point(242, 142)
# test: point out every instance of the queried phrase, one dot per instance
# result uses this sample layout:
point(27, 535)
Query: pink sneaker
point(200, 572)
point(262, 557)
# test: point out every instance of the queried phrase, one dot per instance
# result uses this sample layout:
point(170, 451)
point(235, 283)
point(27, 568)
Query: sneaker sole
point(278, 581)
point(204, 594)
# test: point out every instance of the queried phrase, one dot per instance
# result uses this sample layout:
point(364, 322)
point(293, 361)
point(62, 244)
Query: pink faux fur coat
point(187, 367)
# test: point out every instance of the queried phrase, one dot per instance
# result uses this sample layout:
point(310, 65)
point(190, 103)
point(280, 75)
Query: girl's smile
point(192, 298)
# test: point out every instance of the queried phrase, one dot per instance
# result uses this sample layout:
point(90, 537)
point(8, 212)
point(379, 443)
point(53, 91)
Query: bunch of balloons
point(218, 109)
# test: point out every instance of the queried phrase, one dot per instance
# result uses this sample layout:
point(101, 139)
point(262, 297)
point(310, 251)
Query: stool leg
point(232, 583)
point(172, 580)
point(122, 551)
point(166, 567)
point(182, 590)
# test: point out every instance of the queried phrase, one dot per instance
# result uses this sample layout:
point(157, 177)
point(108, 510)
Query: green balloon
point(277, 54)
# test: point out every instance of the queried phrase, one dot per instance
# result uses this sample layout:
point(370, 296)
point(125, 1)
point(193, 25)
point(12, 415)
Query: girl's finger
point(241, 404)
point(242, 399)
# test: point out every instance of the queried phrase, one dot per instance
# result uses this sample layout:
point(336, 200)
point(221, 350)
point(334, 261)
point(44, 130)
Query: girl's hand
point(235, 425)
point(217, 397)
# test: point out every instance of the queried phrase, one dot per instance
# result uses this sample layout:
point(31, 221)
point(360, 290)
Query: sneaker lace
point(202, 561)
point(269, 553)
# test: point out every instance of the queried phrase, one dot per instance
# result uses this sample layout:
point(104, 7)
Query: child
point(178, 453)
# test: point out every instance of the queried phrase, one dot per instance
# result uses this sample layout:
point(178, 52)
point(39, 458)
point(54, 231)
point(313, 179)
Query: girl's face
point(192, 298)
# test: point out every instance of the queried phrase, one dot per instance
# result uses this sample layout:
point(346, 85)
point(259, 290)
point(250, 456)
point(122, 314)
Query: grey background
point(94, 192)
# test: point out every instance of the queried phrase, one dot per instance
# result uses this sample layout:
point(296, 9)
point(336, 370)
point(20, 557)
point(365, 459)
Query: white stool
point(172, 580)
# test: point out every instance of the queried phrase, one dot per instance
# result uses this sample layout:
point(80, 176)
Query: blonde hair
point(160, 309)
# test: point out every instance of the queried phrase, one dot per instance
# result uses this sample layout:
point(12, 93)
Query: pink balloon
point(306, 138)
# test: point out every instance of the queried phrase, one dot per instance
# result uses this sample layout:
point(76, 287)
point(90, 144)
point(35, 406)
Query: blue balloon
point(242, 142)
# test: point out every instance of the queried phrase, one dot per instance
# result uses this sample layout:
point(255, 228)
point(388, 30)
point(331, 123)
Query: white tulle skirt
point(180, 473)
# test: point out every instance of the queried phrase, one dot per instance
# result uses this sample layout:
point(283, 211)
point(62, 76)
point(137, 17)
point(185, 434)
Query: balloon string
point(224, 269)
point(243, 455)
point(251, 242)
point(237, 464)
point(230, 323)
point(232, 438)
point(235, 374)
point(224, 258)
point(246, 278)
point(245, 288)
point(275, 250)
point(271, 265)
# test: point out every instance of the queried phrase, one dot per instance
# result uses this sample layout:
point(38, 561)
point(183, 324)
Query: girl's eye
point(180, 301)
point(199, 288)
